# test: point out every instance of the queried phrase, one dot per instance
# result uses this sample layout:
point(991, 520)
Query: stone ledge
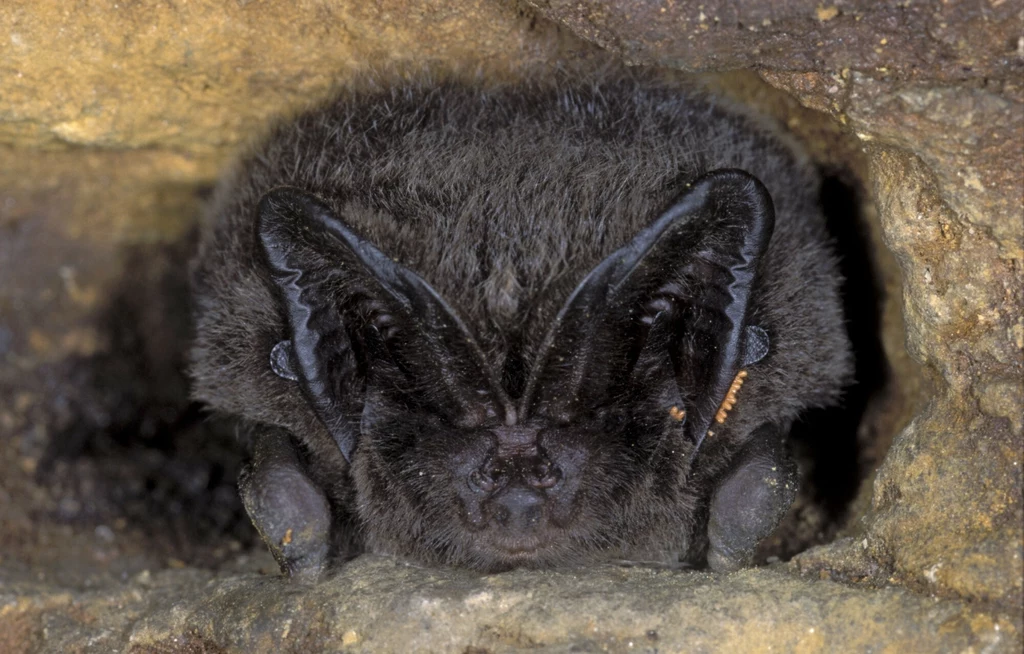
point(379, 604)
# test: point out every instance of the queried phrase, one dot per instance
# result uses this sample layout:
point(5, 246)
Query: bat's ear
point(668, 311)
point(359, 320)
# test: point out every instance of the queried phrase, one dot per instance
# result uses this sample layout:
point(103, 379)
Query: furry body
point(503, 200)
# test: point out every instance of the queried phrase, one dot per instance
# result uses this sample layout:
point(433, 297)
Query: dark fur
point(503, 200)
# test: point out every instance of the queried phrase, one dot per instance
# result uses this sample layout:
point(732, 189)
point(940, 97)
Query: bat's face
point(544, 461)
point(519, 489)
point(490, 498)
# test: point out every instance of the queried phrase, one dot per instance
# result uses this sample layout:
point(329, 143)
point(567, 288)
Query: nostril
point(531, 515)
point(500, 514)
point(545, 475)
point(481, 481)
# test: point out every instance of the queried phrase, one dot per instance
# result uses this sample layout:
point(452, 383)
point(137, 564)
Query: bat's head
point(583, 436)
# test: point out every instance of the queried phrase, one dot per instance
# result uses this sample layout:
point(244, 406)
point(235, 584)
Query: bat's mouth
point(504, 552)
point(522, 546)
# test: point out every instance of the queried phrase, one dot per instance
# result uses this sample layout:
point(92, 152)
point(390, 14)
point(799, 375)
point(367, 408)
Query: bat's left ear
point(673, 303)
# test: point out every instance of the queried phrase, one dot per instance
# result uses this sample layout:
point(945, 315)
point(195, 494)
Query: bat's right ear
point(359, 320)
point(309, 276)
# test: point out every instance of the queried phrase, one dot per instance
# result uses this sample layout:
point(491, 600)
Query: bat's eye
point(482, 482)
point(385, 325)
point(658, 305)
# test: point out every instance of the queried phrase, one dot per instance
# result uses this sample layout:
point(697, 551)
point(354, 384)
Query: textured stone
point(942, 41)
point(380, 605)
point(114, 117)
point(947, 505)
point(199, 75)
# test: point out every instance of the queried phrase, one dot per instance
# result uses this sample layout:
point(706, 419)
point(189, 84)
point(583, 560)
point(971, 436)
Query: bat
point(525, 325)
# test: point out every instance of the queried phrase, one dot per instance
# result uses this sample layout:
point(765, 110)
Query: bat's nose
point(518, 508)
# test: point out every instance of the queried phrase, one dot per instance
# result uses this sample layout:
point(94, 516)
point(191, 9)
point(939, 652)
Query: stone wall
point(119, 527)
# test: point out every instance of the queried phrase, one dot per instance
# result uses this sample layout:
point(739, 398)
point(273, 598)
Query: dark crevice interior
point(830, 439)
point(134, 448)
point(129, 443)
point(835, 451)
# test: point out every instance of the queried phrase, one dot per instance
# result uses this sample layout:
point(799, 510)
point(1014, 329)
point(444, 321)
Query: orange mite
point(730, 397)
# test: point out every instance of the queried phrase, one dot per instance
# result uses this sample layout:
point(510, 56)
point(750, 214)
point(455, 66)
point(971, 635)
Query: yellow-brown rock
point(199, 75)
point(119, 525)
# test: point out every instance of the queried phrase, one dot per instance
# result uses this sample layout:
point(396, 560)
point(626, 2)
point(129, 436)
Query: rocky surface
point(948, 41)
point(199, 75)
point(119, 525)
point(380, 605)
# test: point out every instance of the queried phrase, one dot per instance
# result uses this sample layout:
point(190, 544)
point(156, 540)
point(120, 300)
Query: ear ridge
point(304, 276)
point(324, 271)
point(719, 228)
point(748, 214)
point(591, 292)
